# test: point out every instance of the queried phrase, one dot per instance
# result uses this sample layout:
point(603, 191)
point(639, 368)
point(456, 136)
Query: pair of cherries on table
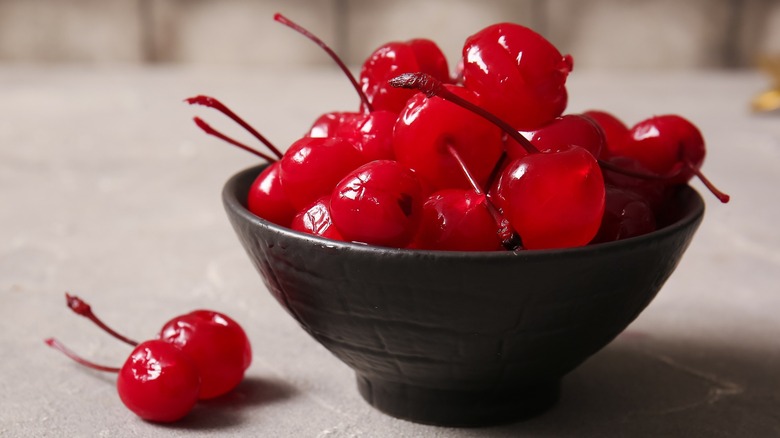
point(197, 356)
point(480, 162)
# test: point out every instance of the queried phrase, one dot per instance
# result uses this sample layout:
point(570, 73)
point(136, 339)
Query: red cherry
point(517, 73)
point(311, 167)
point(215, 342)
point(392, 59)
point(427, 127)
point(218, 345)
point(372, 132)
point(615, 131)
point(267, 199)
point(159, 382)
point(379, 203)
point(457, 220)
point(564, 131)
point(327, 124)
point(663, 143)
point(316, 220)
point(554, 200)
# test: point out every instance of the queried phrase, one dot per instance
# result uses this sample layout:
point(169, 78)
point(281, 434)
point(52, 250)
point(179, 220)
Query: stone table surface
point(108, 190)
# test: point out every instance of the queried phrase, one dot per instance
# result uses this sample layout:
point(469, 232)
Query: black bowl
point(461, 338)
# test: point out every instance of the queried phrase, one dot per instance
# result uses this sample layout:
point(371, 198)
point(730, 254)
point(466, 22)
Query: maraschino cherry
point(205, 344)
point(518, 74)
point(427, 127)
point(158, 382)
point(379, 203)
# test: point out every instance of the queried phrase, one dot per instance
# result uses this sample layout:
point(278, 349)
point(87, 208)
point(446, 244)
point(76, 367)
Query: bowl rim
point(231, 202)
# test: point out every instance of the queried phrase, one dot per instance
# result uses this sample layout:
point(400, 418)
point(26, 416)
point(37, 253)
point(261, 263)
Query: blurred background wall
point(601, 34)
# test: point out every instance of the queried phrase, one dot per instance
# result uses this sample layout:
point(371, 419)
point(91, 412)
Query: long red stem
point(81, 307)
point(509, 238)
point(722, 197)
point(211, 131)
point(211, 102)
point(298, 28)
point(55, 344)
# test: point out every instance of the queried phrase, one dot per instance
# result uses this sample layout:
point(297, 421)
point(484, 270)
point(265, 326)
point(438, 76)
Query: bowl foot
point(443, 407)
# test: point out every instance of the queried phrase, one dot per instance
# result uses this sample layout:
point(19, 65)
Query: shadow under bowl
point(461, 338)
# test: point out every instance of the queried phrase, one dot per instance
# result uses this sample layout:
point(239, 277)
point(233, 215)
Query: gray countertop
point(108, 190)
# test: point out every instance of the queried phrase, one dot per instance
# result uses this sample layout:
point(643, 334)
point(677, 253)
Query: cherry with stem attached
point(508, 237)
point(158, 381)
point(216, 343)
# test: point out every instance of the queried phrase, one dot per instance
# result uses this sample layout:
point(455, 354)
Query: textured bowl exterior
point(460, 338)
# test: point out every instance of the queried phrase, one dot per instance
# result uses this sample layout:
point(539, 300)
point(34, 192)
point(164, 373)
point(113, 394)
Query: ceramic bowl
point(461, 338)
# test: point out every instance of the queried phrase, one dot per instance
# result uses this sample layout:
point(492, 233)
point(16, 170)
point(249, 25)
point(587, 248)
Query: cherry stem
point(211, 131)
point(300, 29)
point(211, 102)
point(722, 197)
point(82, 308)
point(509, 238)
point(57, 345)
point(431, 87)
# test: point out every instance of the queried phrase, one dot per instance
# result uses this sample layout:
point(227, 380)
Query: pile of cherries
point(480, 161)
point(197, 356)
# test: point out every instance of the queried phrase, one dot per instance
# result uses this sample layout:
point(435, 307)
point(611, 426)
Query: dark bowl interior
point(461, 338)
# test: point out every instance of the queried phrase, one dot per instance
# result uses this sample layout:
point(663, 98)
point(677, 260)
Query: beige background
point(603, 34)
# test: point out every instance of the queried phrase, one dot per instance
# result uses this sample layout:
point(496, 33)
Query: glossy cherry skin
point(327, 124)
point(159, 382)
point(267, 199)
point(663, 142)
point(626, 214)
point(614, 130)
point(217, 344)
point(457, 220)
point(311, 167)
point(564, 131)
point(427, 126)
point(517, 73)
point(371, 132)
point(554, 200)
point(316, 220)
point(380, 203)
point(392, 59)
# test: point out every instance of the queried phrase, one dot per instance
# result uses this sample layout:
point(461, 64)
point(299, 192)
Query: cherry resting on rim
point(517, 73)
point(158, 382)
point(316, 220)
